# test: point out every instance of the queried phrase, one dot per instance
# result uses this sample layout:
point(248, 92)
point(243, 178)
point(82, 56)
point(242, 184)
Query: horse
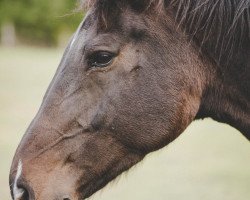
point(134, 75)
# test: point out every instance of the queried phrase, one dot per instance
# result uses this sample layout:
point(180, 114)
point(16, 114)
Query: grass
point(210, 161)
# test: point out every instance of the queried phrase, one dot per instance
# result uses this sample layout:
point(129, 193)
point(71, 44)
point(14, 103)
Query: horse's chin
point(88, 189)
point(100, 181)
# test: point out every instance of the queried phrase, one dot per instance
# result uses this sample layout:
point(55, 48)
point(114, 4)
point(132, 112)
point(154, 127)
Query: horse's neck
point(227, 98)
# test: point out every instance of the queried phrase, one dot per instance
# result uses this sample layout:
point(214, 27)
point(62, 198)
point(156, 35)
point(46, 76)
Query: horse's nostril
point(25, 194)
point(22, 191)
point(66, 198)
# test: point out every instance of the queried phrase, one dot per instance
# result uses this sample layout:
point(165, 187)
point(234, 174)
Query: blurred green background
point(209, 161)
point(37, 22)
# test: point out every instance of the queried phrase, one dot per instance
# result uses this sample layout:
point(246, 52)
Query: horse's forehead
point(86, 24)
point(122, 20)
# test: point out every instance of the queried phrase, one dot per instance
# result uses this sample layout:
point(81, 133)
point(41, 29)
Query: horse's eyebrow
point(137, 34)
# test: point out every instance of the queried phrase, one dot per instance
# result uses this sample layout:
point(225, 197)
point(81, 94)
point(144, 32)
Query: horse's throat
point(225, 102)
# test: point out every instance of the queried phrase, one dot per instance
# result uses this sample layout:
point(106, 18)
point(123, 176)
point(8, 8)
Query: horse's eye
point(100, 59)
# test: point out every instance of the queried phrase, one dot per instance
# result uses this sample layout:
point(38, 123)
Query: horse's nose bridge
point(51, 125)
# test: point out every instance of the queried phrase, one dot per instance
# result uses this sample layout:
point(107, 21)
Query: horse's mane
point(219, 27)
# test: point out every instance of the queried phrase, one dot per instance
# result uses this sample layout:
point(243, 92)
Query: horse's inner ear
point(139, 5)
point(108, 13)
point(144, 5)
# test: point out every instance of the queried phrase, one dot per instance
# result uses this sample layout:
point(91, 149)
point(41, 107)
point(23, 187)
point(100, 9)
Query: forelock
point(108, 11)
